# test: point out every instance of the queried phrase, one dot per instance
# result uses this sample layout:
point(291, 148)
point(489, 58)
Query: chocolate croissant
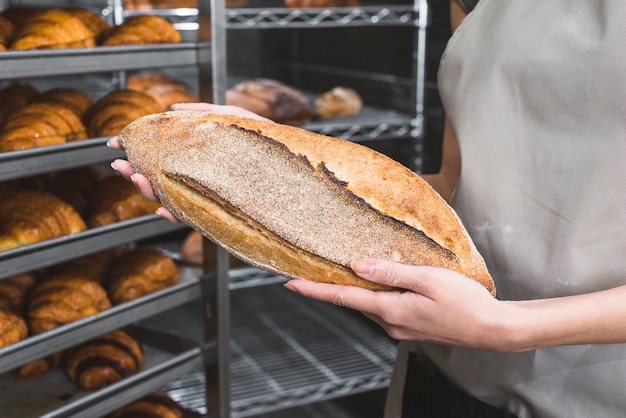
point(141, 30)
point(117, 109)
point(114, 199)
point(40, 124)
point(52, 29)
point(154, 405)
point(35, 216)
point(64, 298)
point(104, 360)
point(140, 272)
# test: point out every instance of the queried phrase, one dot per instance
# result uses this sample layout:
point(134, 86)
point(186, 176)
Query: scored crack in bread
point(294, 202)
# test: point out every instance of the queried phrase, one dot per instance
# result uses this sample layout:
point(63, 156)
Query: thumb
point(414, 278)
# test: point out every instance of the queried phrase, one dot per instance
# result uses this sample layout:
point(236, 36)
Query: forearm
point(593, 318)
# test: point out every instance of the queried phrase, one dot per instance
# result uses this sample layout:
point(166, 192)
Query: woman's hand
point(142, 184)
point(438, 305)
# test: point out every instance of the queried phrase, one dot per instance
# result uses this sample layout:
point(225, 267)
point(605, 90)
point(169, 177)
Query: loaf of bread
point(154, 405)
point(297, 4)
point(139, 272)
point(114, 199)
point(103, 360)
point(192, 251)
point(294, 202)
point(338, 102)
point(63, 298)
point(142, 30)
point(52, 29)
point(272, 99)
point(34, 216)
point(38, 125)
point(116, 109)
point(166, 90)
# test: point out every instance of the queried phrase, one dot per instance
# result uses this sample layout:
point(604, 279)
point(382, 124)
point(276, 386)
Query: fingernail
point(362, 266)
point(108, 143)
point(289, 286)
point(133, 178)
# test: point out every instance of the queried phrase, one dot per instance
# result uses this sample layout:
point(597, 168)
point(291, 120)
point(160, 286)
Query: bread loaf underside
point(273, 208)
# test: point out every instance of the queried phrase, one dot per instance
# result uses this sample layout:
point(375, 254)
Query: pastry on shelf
point(72, 99)
point(166, 90)
point(40, 124)
point(96, 24)
point(64, 298)
point(191, 251)
point(6, 32)
point(154, 405)
point(12, 328)
point(13, 97)
point(17, 15)
point(321, 3)
point(139, 272)
point(40, 366)
point(141, 30)
point(117, 109)
point(103, 360)
point(113, 199)
point(74, 185)
point(14, 292)
point(52, 29)
point(338, 102)
point(34, 216)
point(93, 266)
point(272, 99)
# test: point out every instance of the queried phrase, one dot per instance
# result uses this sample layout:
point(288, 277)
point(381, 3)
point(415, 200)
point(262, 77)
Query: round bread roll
point(340, 101)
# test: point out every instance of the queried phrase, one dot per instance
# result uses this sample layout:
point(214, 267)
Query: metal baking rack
point(53, 395)
point(286, 350)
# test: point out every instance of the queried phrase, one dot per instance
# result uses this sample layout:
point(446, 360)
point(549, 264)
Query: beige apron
point(536, 94)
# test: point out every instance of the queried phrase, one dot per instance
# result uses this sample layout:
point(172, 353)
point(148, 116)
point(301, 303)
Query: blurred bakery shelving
point(265, 358)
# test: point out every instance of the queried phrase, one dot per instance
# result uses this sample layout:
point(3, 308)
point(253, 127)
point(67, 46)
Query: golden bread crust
point(312, 205)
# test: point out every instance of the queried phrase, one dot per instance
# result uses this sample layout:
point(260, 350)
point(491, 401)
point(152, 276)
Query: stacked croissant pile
point(30, 118)
point(38, 302)
point(62, 203)
point(24, 28)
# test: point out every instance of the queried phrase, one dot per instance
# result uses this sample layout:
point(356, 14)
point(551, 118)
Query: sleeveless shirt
point(535, 91)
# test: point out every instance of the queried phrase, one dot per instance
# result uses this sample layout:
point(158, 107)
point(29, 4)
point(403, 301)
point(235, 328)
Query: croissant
point(114, 199)
point(117, 109)
point(17, 15)
point(94, 22)
point(93, 266)
point(6, 31)
point(72, 99)
point(14, 290)
point(64, 298)
point(15, 97)
point(40, 366)
point(40, 124)
point(139, 272)
point(52, 29)
point(73, 186)
point(103, 360)
point(34, 216)
point(164, 89)
point(154, 405)
point(12, 328)
point(141, 30)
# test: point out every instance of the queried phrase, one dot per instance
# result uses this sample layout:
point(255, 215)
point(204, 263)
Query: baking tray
point(166, 357)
